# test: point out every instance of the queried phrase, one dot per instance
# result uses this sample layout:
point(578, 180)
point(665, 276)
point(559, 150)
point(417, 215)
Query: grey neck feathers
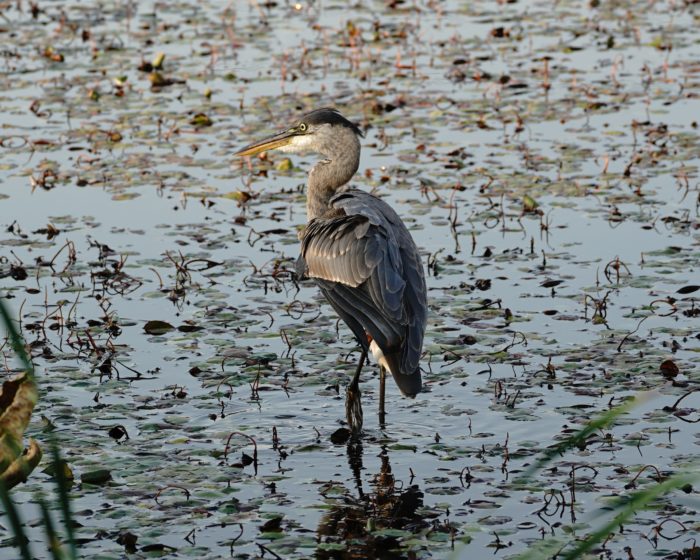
point(341, 148)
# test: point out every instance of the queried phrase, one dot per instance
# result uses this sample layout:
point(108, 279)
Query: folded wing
point(368, 267)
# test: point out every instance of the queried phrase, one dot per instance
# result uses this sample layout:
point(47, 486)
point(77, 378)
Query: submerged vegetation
point(545, 157)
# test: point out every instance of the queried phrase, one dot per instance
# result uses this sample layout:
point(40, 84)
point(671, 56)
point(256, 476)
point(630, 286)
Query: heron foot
point(353, 407)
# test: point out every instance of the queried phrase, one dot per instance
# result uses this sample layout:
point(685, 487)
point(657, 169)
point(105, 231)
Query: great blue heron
point(360, 254)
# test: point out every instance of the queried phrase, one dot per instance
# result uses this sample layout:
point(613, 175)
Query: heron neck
point(331, 175)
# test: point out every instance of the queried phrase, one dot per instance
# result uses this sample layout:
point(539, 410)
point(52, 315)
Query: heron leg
point(353, 405)
point(382, 393)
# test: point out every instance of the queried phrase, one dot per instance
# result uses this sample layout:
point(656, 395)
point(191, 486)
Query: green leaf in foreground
point(579, 438)
point(61, 481)
point(15, 523)
point(622, 512)
point(636, 502)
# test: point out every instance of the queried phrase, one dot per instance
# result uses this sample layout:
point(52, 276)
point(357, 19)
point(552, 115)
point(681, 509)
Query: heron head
point(324, 130)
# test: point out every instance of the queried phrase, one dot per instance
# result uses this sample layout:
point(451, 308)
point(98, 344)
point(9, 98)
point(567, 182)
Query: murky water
point(545, 156)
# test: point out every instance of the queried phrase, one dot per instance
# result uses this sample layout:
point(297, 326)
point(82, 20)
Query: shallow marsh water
point(545, 156)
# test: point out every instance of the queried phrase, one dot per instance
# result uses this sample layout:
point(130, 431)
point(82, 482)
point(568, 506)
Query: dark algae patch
point(545, 158)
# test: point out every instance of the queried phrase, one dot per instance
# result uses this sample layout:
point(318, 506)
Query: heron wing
point(362, 257)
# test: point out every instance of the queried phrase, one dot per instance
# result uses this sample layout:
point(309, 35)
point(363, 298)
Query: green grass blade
point(54, 541)
point(638, 500)
point(544, 550)
point(602, 421)
point(16, 340)
point(15, 523)
point(8, 505)
point(64, 498)
point(61, 483)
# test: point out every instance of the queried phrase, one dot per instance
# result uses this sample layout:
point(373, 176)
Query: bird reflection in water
point(359, 522)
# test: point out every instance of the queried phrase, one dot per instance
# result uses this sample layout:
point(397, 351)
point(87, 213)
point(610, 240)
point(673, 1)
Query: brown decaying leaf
point(669, 369)
point(17, 400)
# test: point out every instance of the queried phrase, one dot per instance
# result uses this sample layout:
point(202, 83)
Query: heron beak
point(269, 143)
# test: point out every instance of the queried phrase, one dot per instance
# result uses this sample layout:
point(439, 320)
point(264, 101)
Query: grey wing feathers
point(336, 249)
point(368, 267)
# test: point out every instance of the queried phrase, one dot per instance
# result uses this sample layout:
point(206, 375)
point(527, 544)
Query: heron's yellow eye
point(302, 127)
